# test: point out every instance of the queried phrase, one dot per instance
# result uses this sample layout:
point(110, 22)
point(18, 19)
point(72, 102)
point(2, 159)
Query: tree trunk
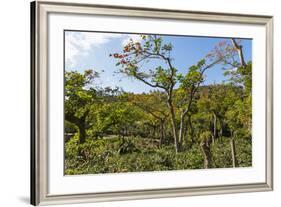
point(80, 123)
point(191, 130)
point(205, 147)
point(82, 132)
point(240, 52)
point(181, 130)
point(174, 126)
point(233, 152)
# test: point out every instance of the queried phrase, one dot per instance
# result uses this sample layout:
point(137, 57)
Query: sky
point(90, 50)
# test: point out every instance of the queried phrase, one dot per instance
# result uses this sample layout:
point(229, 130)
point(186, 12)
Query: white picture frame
point(50, 186)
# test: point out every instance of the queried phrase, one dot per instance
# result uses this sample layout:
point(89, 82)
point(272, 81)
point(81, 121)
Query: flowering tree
point(133, 59)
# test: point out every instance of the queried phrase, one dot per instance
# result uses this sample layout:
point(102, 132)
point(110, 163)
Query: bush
point(221, 152)
point(112, 154)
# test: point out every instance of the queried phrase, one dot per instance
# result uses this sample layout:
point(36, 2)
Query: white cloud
point(79, 44)
point(134, 37)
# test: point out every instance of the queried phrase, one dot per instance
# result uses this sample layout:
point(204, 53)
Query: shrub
point(112, 154)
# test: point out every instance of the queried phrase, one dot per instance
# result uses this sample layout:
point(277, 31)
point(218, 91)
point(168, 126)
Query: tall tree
point(163, 77)
point(135, 53)
point(79, 95)
point(240, 74)
point(189, 85)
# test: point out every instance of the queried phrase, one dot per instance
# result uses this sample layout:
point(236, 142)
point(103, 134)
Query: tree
point(79, 95)
point(205, 144)
point(163, 77)
point(153, 104)
point(112, 114)
point(235, 66)
point(240, 74)
point(190, 85)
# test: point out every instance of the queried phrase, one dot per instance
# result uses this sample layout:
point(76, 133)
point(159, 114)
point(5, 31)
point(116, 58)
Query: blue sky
point(90, 50)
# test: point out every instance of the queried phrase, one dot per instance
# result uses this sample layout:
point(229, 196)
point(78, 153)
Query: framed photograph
point(135, 103)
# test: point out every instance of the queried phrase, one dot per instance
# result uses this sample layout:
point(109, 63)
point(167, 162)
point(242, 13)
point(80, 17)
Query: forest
point(180, 123)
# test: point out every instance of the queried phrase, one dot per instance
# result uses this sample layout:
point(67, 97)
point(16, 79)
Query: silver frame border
point(39, 99)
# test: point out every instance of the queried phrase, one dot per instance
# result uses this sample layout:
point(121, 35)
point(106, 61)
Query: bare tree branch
point(240, 52)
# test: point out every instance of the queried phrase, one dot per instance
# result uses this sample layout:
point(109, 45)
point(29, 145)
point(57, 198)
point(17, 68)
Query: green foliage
point(109, 130)
point(242, 76)
point(194, 76)
point(104, 156)
point(149, 48)
point(127, 146)
point(205, 135)
point(222, 153)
